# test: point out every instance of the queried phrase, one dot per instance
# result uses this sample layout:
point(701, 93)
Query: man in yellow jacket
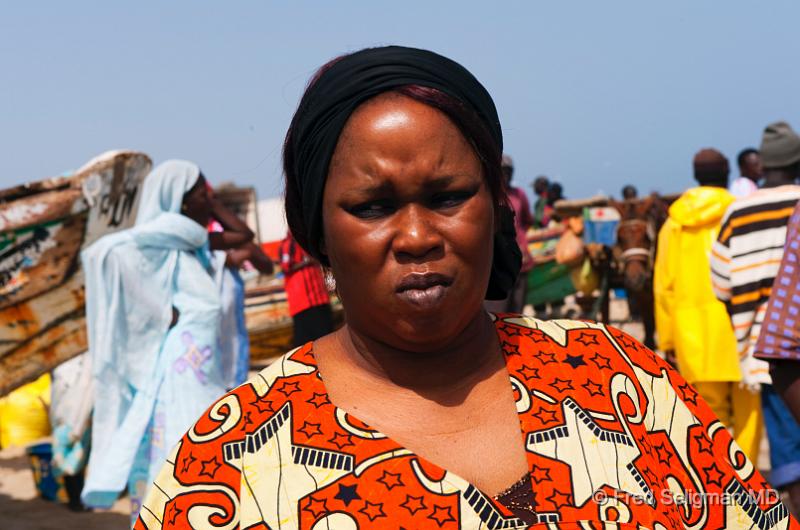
point(690, 321)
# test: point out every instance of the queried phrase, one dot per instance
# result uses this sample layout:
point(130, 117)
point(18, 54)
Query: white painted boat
point(43, 227)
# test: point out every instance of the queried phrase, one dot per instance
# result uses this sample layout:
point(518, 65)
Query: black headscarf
point(328, 103)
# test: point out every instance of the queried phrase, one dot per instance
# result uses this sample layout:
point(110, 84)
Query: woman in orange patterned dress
point(425, 411)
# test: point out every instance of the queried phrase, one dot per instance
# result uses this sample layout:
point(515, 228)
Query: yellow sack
point(585, 278)
point(23, 414)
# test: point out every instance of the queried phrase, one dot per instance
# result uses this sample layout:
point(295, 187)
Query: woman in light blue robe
point(153, 316)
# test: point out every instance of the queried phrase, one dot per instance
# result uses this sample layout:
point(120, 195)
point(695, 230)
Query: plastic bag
point(569, 249)
point(24, 415)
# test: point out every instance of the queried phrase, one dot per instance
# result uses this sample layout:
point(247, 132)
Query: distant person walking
point(692, 324)
point(541, 207)
point(523, 220)
point(309, 303)
point(750, 171)
point(744, 263)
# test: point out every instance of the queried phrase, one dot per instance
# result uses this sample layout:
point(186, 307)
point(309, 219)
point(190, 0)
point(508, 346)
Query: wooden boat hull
point(43, 227)
point(269, 324)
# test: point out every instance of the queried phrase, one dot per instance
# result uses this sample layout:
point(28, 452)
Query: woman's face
point(408, 223)
point(196, 203)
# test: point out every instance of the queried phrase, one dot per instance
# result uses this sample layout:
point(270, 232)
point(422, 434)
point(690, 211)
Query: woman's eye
point(449, 199)
point(371, 210)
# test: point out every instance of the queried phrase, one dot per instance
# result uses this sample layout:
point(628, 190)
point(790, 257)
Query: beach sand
point(22, 509)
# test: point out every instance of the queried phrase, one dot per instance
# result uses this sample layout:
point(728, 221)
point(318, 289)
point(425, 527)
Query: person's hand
point(217, 207)
point(253, 253)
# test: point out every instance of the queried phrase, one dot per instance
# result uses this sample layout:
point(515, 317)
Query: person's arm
point(721, 265)
point(253, 253)
point(785, 375)
point(236, 232)
point(527, 220)
point(779, 340)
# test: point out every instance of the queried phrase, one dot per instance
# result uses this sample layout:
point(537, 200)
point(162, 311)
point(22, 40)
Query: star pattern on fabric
point(539, 474)
point(174, 512)
point(663, 453)
point(247, 421)
point(559, 499)
point(651, 477)
point(318, 400)
point(626, 341)
point(289, 387)
point(545, 416)
point(511, 349)
point(587, 339)
point(373, 510)
point(594, 389)
point(187, 462)
point(514, 331)
point(601, 361)
point(644, 444)
point(341, 440)
point(571, 428)
point(562, 385)
point(703, 443)
point(537, 336)
point(713, 474)
point(528, 372)
point(317, 507)
point(441, 514)
point(413, 504)
point(263, 406)
point(310, 429)
point(688, 393)
point(574, 360)
point(390, 480)
point(347, 494)
point(209, 467)
point(545, 357)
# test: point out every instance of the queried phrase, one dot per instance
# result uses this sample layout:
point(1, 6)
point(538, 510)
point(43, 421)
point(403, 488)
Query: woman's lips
point(424, 290)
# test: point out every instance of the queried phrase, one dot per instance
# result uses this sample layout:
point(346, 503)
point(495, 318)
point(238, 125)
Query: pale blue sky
point(596, 94)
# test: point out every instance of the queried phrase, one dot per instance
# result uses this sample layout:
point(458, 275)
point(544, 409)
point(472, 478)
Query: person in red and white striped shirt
point(309, 303)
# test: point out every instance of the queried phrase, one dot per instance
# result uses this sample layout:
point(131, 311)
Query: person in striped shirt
point(744, 263)
point(779, 340)
point(306, 293)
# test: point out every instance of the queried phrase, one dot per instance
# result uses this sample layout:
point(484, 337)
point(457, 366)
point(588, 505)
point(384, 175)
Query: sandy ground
point(21, 509)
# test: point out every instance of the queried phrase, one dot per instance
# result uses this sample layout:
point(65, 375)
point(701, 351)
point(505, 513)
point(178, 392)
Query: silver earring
point(330, 281)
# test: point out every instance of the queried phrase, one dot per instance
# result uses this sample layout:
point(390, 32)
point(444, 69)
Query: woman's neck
point(467, 359)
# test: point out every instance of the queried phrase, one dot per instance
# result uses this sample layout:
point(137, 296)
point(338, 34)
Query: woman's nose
point(416, 234)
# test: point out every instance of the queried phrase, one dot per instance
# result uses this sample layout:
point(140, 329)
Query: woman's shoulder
point(293, 373)
point(575, 345)
point(263, 397)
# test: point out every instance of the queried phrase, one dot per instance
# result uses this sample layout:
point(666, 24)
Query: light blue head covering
point(165, 187)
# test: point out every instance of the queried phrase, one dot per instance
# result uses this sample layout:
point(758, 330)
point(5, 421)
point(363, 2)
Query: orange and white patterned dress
point(613, 435)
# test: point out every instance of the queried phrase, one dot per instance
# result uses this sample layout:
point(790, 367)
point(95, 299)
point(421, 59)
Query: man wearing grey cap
point(744, 263)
